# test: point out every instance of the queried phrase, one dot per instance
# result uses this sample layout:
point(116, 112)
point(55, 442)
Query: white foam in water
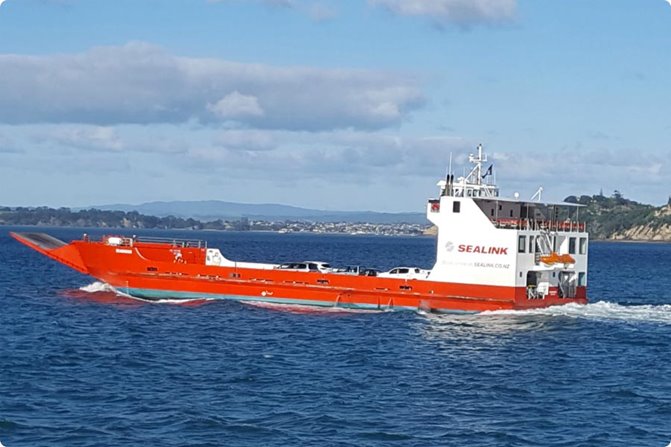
point(601, 310)
point(97, 286)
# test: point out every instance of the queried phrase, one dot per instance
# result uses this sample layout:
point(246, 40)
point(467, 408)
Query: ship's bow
point(56, 249)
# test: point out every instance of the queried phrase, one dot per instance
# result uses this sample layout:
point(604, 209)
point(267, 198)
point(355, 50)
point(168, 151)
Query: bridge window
point(456, 206)
point(531, 244)
point(521, 244)
point(571, 245)
point(583, 245)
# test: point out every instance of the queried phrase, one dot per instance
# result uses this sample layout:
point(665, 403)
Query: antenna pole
point(449, 171)
point(478, 165)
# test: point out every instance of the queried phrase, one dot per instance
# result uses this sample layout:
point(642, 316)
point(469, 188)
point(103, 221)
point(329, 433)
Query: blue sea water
point(80, 366)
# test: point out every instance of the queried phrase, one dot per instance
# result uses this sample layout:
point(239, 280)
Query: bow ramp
point(56, 249)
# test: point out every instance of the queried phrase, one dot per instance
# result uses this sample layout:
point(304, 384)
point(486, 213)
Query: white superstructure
point(486, 240)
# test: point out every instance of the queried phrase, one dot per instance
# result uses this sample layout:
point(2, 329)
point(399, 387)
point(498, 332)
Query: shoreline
point(129, 229)
point(326, 233)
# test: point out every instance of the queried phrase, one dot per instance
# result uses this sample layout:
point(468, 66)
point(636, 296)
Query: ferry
point(492, 253)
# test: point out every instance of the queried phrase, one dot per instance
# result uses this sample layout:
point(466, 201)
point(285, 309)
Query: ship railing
point(125, 241)
point(175, 242)
point(569, 226)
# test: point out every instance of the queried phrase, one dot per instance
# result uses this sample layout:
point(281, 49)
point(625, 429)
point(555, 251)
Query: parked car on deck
point(306, 266)
point(405, 273)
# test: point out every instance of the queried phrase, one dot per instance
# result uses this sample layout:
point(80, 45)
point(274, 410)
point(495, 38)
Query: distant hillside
point(64, 217)
point(617, 218)
point(94, 218)
point(209, 210)
point(607, 218)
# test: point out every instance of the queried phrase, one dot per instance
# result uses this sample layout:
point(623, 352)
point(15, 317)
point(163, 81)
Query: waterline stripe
point(150, 294)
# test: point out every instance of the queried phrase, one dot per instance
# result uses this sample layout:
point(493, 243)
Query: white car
point(348, 270)
point(323, 267)
point(306, 266)
point(405, 273)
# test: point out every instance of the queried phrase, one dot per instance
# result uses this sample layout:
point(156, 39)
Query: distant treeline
point(65, 217)
point(610, 217)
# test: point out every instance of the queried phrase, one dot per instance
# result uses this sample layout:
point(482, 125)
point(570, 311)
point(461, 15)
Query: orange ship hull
point(153, 271)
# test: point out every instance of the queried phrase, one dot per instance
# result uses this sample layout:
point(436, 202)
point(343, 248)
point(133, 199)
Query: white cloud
point(400, 165)
point(359, 169)
point(247, 140)
point(142, 84)
point(461, 12)
point(352, 155)
point(95, 138)
point(582, 171)
point(236, 105)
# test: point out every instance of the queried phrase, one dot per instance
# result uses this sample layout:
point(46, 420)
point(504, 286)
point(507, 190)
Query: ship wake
point(599, 311)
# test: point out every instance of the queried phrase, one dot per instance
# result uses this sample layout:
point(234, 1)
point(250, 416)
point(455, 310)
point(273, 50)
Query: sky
point(335, 105)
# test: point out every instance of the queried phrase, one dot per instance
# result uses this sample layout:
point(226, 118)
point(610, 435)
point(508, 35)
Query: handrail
point(177, 242)
point(130, 241)
point(529, 224)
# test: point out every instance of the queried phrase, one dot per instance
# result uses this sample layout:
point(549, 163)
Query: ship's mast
point(475, 176)
point(471, 185)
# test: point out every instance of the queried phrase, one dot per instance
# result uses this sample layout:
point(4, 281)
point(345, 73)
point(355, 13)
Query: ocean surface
point(80, 366)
